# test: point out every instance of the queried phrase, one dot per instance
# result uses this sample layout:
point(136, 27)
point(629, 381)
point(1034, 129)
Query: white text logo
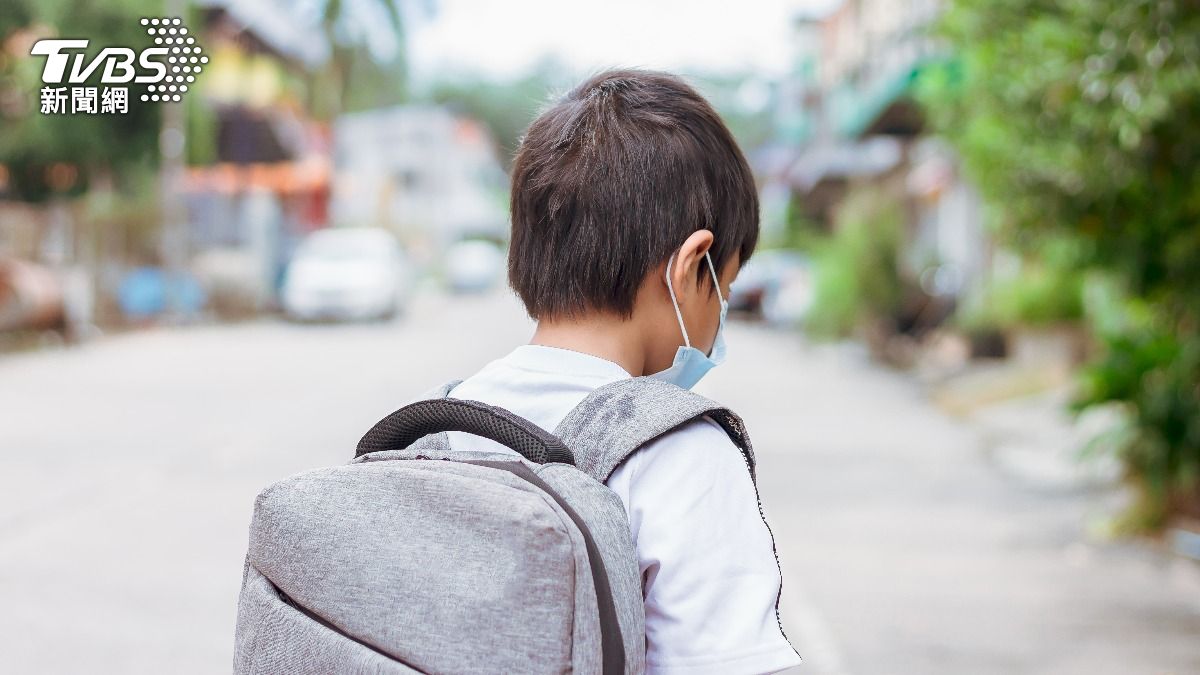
point(167, 69)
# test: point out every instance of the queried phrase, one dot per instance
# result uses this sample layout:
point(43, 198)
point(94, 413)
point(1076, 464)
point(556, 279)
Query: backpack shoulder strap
point(616, 419)
point(438, 442)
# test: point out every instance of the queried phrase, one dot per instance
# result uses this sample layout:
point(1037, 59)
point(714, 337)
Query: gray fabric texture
point(610, 528)
point(412, 560)
point(299, 644)
point(445, 566)
point(616, 419)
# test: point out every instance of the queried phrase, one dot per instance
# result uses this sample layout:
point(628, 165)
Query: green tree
point(31, 142)
point(1081, 118)
point(506, 107)
point(858, 277)
point(353, 78)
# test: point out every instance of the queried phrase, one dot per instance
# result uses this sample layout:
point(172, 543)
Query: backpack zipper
point(287, 600)
point(774, 551)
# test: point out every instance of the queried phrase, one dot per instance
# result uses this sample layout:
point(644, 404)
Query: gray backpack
point(413, 558)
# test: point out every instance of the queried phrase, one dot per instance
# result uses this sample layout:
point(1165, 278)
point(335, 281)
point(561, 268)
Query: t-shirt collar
point(557, 359)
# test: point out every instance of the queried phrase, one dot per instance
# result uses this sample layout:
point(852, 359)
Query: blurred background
point(968, 346)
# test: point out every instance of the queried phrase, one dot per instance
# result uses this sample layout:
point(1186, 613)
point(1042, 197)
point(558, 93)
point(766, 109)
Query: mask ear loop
point(675, 303)
point(713, 270)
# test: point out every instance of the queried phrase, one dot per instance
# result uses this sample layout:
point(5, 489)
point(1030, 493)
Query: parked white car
point(474, 265)
point(346, 273)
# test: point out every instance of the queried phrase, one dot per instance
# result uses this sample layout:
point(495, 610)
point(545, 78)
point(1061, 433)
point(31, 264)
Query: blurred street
point(131, 464)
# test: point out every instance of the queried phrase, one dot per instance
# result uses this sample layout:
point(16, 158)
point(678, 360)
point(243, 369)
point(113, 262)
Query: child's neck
point(618, 341)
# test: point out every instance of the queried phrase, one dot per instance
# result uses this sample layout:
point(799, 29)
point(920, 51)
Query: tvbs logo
point(167, 68)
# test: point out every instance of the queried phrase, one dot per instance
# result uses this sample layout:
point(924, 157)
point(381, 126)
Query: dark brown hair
point(610, 180)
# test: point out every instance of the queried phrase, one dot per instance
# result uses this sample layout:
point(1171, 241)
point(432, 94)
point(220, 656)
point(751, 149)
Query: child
point(632, 211)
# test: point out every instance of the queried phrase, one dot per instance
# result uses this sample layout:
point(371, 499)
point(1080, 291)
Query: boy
point(632, 211)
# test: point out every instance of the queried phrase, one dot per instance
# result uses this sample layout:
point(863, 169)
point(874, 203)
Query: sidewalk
point(913, 541)
point(1026, 427)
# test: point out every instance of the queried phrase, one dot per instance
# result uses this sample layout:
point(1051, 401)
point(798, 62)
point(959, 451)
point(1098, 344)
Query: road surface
point(129, 467)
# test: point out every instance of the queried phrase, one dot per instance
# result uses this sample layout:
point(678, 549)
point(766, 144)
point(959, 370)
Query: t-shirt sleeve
point(709, 572)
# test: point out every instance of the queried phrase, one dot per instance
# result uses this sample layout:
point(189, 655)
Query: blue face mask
point(690, 363)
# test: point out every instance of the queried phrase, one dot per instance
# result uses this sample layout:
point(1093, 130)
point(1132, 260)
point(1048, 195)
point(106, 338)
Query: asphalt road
point(128, 468)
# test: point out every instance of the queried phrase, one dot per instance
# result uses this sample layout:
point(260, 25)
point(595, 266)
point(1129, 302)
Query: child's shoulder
point(699, 452)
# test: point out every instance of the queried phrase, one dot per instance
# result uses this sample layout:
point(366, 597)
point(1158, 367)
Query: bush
point(1080, 120)
point(1040, 294)
point(1151, 368)
point(857, 273)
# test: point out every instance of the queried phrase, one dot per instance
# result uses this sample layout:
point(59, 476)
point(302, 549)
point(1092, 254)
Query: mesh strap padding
point(422, 418)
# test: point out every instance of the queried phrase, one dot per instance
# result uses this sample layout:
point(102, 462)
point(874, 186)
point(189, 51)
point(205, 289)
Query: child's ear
point(684, 267)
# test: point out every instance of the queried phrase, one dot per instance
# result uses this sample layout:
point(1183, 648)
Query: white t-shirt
point(709, 573)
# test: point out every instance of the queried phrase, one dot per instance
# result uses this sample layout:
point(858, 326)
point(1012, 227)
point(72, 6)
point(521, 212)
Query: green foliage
point(1039, 296)
point(1155, 374)
point(506, 108)
point(353, 79)
point(751, 126)
point(1045, 290)
point(799, 231)
point(30, 141)
point(1081, 119)
point(857, 268)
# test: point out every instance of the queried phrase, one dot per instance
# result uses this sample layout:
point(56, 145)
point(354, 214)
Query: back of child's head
point(610, 180)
